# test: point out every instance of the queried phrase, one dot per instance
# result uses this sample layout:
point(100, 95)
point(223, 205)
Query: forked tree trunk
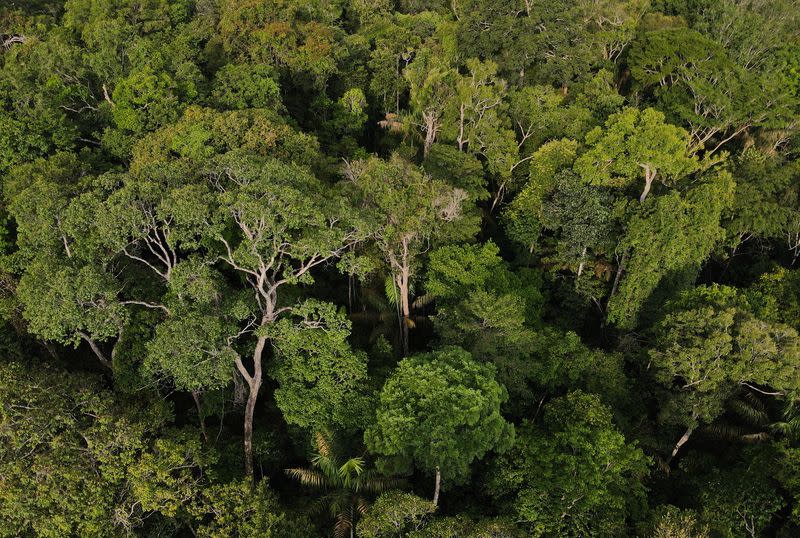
point(437, 487)
point(253, 384)
point(431, 130)
point(649, 177)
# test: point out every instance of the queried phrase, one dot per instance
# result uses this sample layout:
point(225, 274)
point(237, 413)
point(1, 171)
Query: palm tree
point(344, 484)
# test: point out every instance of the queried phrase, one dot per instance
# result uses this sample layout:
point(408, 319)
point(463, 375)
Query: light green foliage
point(395, 513)
point(573, 475)
point(322, 381)
point(144, 101)
point(67, 304)
point(524, 215)
point(464, 527)
point(695, 81)
point(673, 232)
point(485, 308)
point(672, 522)
point(764, 205)
point(440, 409)
point(776, 297)
point(453, 269)
point(635, 145)
point(582, 219)
point(193, 350)
point(74, 461)
point(241, 508)
point(710, 344)
point(406, 211)
point(202, 133)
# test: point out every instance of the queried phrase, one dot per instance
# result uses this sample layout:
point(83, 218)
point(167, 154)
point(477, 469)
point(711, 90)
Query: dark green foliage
point(405, 230)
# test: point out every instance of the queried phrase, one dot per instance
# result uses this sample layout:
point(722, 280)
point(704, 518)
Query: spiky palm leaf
point(342, 482)
point(308, 477)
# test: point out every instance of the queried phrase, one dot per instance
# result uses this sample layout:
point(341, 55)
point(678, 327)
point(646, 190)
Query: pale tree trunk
point(431, 130)
point(583, 261)
point(437, 487)
point(402, 278)
point(253, 384)
point(682, 441)
point(97, 351)
point(649, 177)
point(461, 128)
point(617, 277)
point(405, 309)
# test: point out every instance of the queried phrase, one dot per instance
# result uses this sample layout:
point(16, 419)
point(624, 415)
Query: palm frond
point(361, 505)
point(350, 471)
point(758, 437)
point(725, 431)
point(750, 411)
point(307, 477)
point(323, 445)
point(423, 301)
point(372, 482)
point(343, 525)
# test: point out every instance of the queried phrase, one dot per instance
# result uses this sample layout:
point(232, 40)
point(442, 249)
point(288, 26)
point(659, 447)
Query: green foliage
point(674, 232)
point(323, 382)
point(440, 410)
point(395, 513)
point(75, 461)
point(633, 146)
point(406, 224)
point(573, 475)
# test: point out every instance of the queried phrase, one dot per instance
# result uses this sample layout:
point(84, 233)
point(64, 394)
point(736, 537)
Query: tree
point(439, 411)
point(272, 225)
point(344, 483)
point(395, 513)
point(693, 79)
point(322, 381)
point(675, 233)
point(572, 475)
point(709, 345)
point(75, 460)
point(635, 144)
point(242, 509)
point(432, 85)
point(406, 211)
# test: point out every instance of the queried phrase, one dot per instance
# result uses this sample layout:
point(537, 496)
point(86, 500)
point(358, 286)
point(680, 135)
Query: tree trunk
point(583, 261)
point(249, 413)
point(196, 398)
point(97, 351)
point(461, 128)
point(254, 384)
point(431, 130)
point(437, 487)
point(649, 176)
point(618, 277)
point(682, 441)
point(405, 310)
